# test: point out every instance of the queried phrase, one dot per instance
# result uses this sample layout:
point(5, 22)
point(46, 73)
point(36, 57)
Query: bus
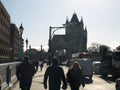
point(85, 61)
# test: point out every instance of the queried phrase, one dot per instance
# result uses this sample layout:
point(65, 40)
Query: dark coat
point(75, 79)
point(55, 74)
point(24, 74)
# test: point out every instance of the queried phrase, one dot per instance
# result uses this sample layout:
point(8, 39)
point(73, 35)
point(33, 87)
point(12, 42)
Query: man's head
point(26, 59)
point(55, 61)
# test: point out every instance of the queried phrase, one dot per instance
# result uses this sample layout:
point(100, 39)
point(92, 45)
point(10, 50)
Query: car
point(65, 63)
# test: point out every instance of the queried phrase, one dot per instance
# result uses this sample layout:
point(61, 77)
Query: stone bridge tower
point(75, 38)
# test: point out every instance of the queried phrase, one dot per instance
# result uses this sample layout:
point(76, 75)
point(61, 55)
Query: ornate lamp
point(20, 55)
point(21, 30)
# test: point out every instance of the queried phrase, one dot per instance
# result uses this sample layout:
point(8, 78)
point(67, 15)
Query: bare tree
point(94, 47)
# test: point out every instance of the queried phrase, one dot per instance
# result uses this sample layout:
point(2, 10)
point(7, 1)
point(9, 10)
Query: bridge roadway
point(97, 84)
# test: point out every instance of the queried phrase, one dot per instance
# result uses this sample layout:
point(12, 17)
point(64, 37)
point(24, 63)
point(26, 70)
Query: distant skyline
point(102, 18)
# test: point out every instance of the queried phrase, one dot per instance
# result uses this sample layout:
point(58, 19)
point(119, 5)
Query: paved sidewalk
point(37, 83)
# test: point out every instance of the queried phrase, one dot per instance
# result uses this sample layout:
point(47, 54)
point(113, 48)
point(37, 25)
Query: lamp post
point(20, 53)
point(50, 39)
point(26, 44)
point(11, 54)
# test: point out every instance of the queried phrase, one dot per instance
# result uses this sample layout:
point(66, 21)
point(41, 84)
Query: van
point(85, 61)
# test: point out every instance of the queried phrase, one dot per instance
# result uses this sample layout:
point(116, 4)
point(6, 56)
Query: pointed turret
point(21, 27)
point(82, 21)
point(74, 18)
point(86, 28)
point(67, 20)
point(85, 32)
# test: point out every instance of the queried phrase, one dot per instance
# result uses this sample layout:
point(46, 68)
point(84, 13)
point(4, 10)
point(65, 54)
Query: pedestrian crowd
point(53, 75)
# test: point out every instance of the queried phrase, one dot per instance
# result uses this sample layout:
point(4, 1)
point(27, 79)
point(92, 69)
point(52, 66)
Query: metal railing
point(8, 74)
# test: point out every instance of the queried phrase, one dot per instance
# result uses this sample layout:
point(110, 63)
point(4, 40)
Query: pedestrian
point(41, 66)
point(55, 74)
point(36, 64)
point(75, 76)
point(25, 71)
point(117, 85)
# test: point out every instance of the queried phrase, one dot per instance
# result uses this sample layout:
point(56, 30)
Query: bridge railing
point(8, 74)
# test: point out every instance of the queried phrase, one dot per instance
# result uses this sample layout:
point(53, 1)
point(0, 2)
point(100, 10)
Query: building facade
point(4, 34)
point(14, 42)
point(9, 37)
point(75, 38)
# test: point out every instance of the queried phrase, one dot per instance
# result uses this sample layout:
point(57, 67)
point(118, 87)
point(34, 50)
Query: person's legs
point(77, 88)
point(74, 87)
point(23, 88)
point(27, 88)
point(26, 84)
point(29, 85)
point(53, 87)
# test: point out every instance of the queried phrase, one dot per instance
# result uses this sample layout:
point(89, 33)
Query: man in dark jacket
point(25, 71)
point(55, 74)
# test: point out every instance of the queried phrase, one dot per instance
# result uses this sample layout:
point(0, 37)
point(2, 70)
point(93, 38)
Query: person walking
point(75, 76)
point(25, 71)
point(41, 65)
point(55, 74)
point(36, 64)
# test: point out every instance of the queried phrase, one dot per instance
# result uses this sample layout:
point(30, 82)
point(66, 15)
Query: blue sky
point(102, 18)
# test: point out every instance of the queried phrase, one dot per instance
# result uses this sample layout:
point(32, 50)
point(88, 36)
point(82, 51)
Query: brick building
point(4, 34)
point(14, 42)
point(9, 37)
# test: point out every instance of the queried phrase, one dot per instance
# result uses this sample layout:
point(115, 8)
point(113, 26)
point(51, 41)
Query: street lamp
point(20, 53)
point(26, 44)
point(50, 39)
